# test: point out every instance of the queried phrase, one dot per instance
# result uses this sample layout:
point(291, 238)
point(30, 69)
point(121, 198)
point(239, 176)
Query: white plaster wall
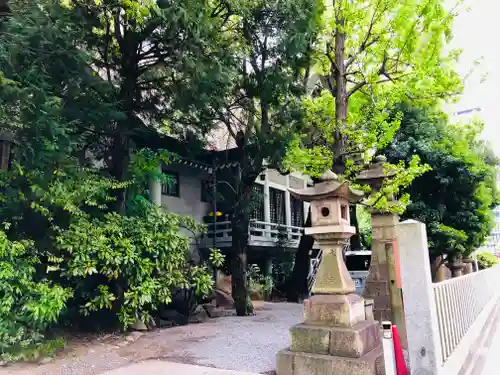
point(189, 201)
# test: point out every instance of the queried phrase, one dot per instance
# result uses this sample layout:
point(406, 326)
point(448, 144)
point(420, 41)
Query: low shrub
point(258, 285)
point(128, 265)
point(29, 305)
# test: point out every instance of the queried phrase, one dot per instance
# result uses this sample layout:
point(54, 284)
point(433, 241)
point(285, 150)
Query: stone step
point(298, 363)
point(353, 342)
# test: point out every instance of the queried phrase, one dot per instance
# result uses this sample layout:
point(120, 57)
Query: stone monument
point(336, 337)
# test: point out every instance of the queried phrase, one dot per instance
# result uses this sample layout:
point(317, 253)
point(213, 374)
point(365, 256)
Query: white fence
point(443, 320)
point(261, 234)
point(459, 302)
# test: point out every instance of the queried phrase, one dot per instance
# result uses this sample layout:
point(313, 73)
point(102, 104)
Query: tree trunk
point(297, 285)
point(240, 224)
point(120, 159)
point(340, 96)
point(355, 239)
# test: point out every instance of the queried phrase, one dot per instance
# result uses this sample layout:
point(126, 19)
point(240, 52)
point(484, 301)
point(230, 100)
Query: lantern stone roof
point(375, 172)
point(329, 186)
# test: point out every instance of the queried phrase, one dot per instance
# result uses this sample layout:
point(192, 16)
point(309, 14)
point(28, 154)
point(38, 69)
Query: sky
point(477, 32)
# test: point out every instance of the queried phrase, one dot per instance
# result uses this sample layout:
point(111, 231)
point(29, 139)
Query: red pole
point(398, 353)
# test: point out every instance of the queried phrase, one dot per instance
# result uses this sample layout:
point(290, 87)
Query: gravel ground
point(247, 344)
point(232, 343)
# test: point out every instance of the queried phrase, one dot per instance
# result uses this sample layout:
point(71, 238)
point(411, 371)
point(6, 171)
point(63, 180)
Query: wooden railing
point(287, 235)
point(459, 302)
point(261, 234)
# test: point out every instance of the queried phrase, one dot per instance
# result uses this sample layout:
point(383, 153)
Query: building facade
point(277, 218)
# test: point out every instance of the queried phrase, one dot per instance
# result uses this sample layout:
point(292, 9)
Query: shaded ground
point(233, 343)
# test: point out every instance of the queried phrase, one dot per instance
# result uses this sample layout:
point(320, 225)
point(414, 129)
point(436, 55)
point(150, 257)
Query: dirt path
point(233, 343)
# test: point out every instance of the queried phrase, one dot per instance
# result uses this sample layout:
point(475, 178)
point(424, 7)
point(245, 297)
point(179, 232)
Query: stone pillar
point(456, 266)
point(288, 203)
point(155, 189)
point(377, 282)
point(422, 328)
point(439, 269)
point(267, 199)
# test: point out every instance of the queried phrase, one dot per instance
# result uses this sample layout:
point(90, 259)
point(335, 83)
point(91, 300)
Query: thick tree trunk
point(240, 223)
point(297, 285)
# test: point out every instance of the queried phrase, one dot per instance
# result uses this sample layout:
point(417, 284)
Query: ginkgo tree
point(372, 55)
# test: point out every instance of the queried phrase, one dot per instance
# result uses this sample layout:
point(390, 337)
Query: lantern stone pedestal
point(377, 282)
point(336, 338)
point(469, 266)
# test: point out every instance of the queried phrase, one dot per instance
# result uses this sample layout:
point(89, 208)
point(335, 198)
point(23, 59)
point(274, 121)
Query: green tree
point(372, 55)
point(59, 195)
point(455, 199)
point(165, 64)
point(271, 44)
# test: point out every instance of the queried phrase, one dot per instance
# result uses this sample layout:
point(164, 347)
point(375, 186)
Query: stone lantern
point(336, 337)
point(375, 175)
point(381, 285)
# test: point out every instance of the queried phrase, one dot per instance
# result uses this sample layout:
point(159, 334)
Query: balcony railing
point(260, 234)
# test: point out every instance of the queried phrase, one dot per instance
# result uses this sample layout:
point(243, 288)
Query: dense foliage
point(29, 305)
point(372, 55)
point(262, 114)
point(486, 260)
point(82, 237)
point(455, 198)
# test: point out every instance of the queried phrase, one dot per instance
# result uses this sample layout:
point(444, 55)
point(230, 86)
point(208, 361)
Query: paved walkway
point(232, 343)
point(491, 365)
point(164, 368)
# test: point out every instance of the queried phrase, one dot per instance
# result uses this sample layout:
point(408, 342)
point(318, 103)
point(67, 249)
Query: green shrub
point(257, 284)
point(27, 307)
point(128, 264)
point(486, 260)
point(121, 267)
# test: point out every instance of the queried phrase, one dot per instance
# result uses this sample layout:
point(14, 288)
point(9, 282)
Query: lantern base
point(299, 363)
point(343, 310)
point(335, 338)
point(378, 291)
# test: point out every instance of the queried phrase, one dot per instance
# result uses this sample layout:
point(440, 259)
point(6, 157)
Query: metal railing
point(459, 302)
